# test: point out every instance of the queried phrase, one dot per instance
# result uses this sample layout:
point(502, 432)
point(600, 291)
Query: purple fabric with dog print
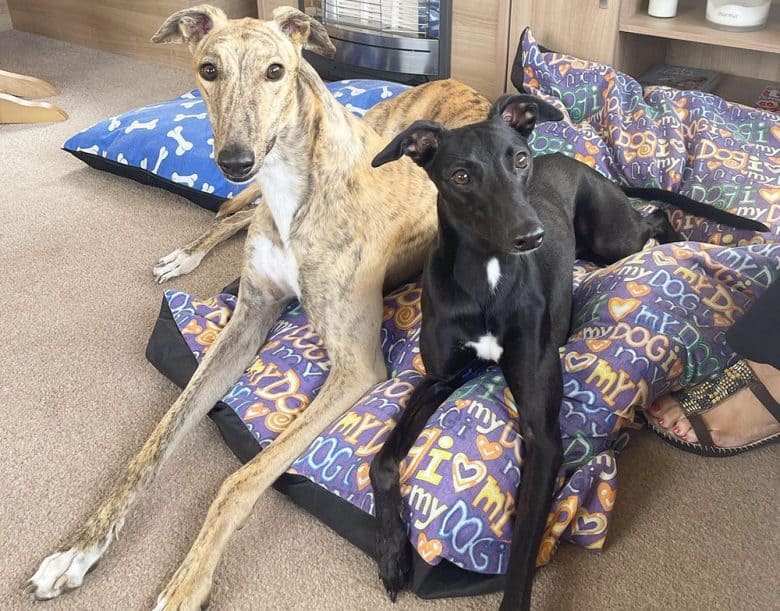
point(642, 327)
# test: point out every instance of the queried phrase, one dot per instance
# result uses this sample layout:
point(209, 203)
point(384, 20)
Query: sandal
point(699, 399)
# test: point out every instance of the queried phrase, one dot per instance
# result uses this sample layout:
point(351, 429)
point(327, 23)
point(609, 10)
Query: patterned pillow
point(170, 145)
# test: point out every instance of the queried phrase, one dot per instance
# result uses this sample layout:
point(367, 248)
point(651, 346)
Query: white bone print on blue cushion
point(170, 145)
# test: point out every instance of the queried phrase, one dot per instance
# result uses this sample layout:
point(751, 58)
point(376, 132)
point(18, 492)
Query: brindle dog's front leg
point(183, 260)
point(352, 342)
point(258, 307)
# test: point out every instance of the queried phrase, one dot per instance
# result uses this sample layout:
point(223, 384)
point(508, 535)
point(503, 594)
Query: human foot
point(723, 416)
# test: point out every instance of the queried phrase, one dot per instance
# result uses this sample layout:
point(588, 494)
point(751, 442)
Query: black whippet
point(498, 283)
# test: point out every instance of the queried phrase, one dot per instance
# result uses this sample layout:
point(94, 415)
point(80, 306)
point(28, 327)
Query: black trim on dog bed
point(145, 177)
point(169, 353)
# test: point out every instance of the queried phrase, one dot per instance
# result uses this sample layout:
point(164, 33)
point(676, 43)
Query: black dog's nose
point(528, 241)
point(236, 162)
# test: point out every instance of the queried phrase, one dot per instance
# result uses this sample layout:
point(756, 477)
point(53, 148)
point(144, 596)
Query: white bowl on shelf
point(738, 15)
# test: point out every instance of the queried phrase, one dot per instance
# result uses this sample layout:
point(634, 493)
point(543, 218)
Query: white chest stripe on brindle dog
point(487, 347)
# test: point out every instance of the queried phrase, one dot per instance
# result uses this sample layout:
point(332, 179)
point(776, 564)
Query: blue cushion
point(169, 145)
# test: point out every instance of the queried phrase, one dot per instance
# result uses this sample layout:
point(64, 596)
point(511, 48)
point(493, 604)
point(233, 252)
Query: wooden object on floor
point(25, 86)
point(5, 17)
point(16, 110)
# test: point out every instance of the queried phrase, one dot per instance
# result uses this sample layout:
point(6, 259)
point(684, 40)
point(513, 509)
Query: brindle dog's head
point(246, 71)
point(483, 172)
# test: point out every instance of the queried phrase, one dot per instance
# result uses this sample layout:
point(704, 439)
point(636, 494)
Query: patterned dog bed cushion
point(170, 145)
point(643, 326)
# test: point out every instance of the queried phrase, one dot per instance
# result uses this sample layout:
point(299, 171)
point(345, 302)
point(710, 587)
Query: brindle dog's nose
point(236, 163)
point(528, 241)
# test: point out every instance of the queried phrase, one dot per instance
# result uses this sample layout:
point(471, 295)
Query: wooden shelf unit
point(691, 25)
point(748, 61)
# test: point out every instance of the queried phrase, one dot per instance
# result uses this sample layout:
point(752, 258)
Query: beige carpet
point(78, 398)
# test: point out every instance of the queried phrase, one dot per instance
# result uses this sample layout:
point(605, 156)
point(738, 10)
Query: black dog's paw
point(394, 556)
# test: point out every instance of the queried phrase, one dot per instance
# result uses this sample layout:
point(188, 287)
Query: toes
point(395, 559)
point(682, 427)
point(62, 571)
point(666, 413)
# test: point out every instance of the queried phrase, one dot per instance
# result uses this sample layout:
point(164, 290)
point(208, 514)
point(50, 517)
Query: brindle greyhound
point(332, 232)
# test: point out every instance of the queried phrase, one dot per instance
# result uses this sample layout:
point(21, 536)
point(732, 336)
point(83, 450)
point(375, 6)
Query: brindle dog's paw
point(394, 556)
point(62, 571)
point(178, 263)
point(188, 590)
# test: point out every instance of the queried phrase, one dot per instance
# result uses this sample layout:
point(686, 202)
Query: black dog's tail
point(686, 204)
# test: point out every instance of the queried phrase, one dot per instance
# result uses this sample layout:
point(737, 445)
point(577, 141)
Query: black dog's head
point(482, 171)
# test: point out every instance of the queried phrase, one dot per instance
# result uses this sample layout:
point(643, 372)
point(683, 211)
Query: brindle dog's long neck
point(319, 144)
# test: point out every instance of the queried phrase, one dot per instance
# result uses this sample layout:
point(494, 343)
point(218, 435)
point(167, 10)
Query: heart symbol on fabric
point(256, 410)
point(363, 479)
point(682, 253)
point(564, 69)
point(192, 328)
point(488, 450)
point(574, 361)
point(629, 155)
point(775, 130)
point(429, 549)
point(661, 259)
point(676, 177)
point(467, 473)
point(597, 345)
point(589, 523)
point(586, 159)
point(620, 308)
point(638, 290)
point(591, 148)
point(713, 165)
point(770, 195)
point(606, 496)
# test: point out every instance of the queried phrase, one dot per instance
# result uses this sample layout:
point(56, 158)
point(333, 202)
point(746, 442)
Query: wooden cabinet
point(119, 26)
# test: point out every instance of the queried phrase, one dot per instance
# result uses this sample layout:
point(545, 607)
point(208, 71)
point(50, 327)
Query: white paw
point(175, 264)
point(63, 571)
point(162, 600)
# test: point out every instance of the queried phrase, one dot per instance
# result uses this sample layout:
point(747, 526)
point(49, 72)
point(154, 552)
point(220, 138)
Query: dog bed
point(170, 145)
point(646, 325)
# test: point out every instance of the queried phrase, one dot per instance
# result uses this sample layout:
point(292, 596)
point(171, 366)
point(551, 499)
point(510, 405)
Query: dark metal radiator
point(400, 40)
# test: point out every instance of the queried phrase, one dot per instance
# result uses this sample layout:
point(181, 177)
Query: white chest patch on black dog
point(487, 347)
point(493, 273)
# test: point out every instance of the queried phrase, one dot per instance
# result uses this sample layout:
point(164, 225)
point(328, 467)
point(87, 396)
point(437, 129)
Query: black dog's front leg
point(392, 542)
point(532, 369)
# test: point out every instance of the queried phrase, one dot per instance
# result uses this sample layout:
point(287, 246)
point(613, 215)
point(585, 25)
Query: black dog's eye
point(521, 160)
point(460, 177)
point(208, 72)
point(274, 72)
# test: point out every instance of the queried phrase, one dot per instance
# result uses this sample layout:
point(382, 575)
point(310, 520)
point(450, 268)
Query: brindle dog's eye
point(521, 160)
point(208, 72)
point(274, 72)
point(461, 177)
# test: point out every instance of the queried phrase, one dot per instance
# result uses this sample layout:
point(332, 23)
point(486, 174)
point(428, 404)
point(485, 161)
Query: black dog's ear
point(419, 141)
point(522, 111)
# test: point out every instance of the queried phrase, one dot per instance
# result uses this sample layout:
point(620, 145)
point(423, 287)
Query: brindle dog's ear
point(304, 31)
point(191, 25)
point(419, 141)
point(522, 111)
